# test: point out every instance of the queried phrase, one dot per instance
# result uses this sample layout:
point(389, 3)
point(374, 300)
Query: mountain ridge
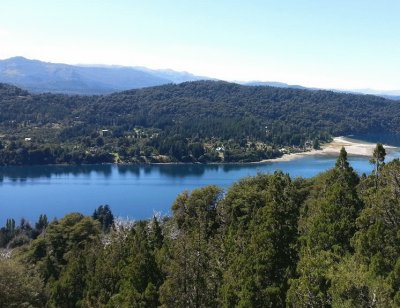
point(39, 77)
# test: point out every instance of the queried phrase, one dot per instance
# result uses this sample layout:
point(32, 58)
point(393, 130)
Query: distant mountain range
point(394, 94)
point(38, 77)
point(275, 84)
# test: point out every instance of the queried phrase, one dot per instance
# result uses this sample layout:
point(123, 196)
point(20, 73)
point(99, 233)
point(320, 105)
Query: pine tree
point(327, 224)
point(261, 255)
point(191, 280)
point(378, 158)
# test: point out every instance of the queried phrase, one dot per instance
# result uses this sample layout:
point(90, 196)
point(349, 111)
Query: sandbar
point(353, 148)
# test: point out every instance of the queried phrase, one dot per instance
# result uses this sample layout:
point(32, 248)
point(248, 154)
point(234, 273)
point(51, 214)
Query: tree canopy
point(202, 121)
point(268, 241)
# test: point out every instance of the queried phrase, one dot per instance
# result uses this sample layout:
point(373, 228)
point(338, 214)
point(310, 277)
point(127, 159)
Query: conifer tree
point(378, 158)
point(191, 277)
point(258, 269)
point(327, 224)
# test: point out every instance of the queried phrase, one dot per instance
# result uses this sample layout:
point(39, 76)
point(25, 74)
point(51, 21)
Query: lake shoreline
point(129, 189)
point(353, 147)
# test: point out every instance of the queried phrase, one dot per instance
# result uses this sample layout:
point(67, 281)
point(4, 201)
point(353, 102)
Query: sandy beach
point(352, 146)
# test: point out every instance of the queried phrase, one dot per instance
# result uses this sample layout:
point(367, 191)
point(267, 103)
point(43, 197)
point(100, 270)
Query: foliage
point(19, 287)
point(104, 215)
point(185, 122)
point(260, 240)
point(191, 273)
point(268, 241)
point(326, 224)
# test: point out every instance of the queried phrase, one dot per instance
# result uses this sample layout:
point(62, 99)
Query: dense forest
point(202, 121)
point(269, 241)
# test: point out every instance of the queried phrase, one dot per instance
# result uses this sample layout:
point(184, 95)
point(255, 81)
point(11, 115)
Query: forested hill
point(302, 110)
point(184, 122)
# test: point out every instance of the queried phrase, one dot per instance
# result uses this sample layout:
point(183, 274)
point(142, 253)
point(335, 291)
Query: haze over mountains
point(38, 76)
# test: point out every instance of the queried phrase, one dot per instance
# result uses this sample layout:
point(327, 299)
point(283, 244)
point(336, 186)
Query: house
point(105, 132)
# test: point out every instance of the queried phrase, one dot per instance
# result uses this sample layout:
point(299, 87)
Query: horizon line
point(375, 91)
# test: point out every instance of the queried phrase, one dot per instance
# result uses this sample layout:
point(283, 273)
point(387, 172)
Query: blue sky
point(332, 44)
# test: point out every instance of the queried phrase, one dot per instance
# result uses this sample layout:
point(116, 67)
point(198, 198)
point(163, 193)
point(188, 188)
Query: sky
point(343, 44)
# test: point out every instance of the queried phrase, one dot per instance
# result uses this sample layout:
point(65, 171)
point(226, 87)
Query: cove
point(134, 192)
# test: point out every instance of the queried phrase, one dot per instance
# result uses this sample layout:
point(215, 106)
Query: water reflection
point(129, 170)
point(193, 170)
point(184, 170)
point(24, 173)
point(131, 191)
point(21, 174)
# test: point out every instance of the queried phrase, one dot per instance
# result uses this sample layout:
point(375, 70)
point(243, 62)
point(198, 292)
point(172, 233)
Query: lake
point(132, 191)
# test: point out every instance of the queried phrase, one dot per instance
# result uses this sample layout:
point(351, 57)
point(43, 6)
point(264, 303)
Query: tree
point(327, 224)
point(353, 286)
point(20, 287)
point(378, 157)
point(341, 161)
point(24, 225)
point(8, 232)
point(42, 223)
point(316, 144)
point(190, 269)
point(99, 141)
point(103, 281)
point(50, 253)
point(196, 149)
point(141, 276)
point(376, 241)
point(10, 226)
point(261, 257)
point(104, 215)
point(67, 291)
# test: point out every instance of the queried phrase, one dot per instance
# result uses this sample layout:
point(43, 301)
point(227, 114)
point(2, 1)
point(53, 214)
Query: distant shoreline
point(353, 147)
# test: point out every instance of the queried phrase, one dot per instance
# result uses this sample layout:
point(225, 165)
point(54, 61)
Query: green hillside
point(201, 121)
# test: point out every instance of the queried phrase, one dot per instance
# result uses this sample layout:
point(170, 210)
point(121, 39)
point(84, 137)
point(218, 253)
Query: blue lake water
point(132, 191)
